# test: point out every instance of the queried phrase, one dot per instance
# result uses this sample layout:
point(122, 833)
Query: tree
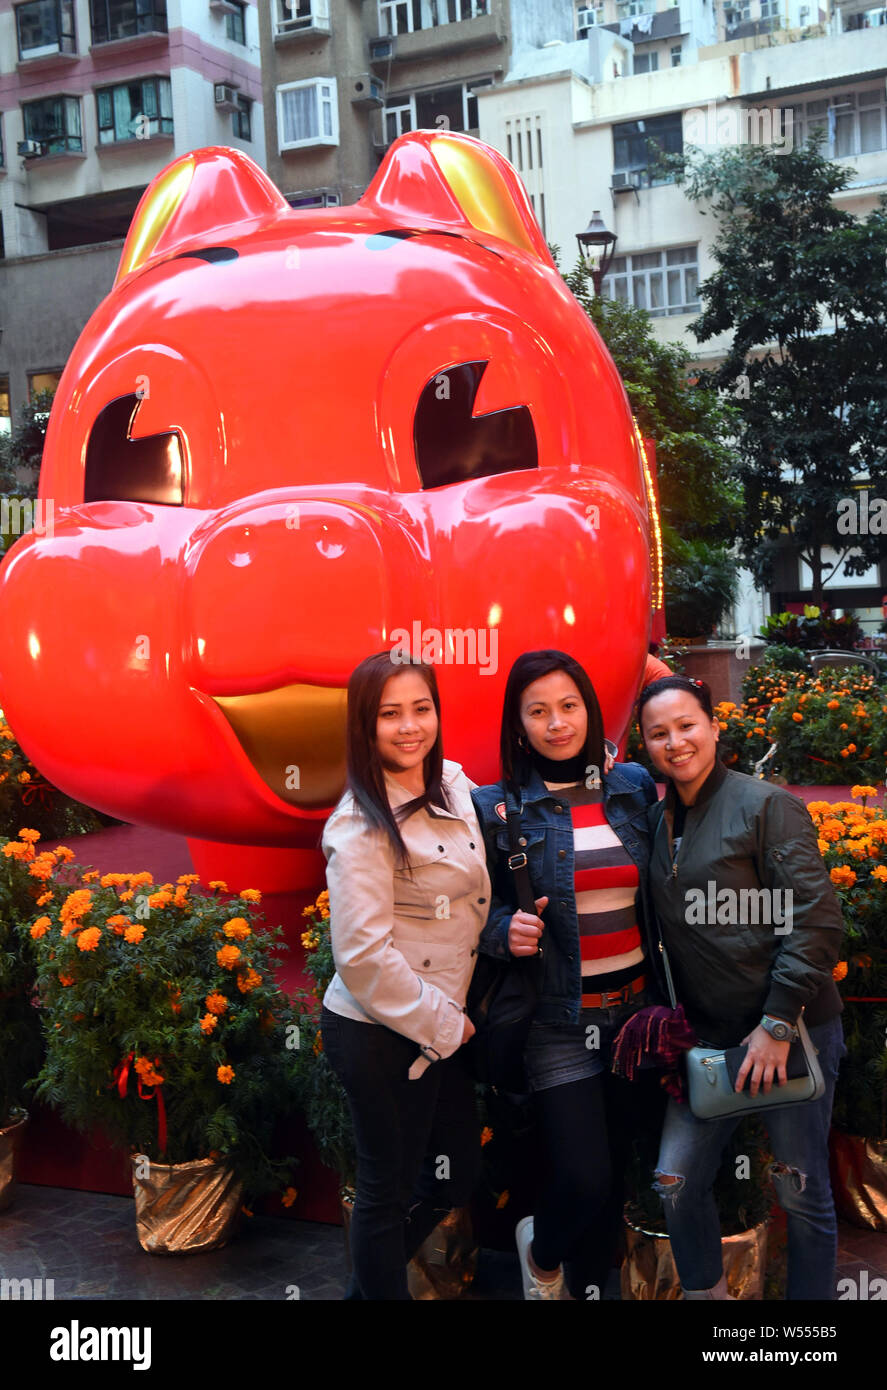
point(690, 422)
point(800, 284)
point(21, 453)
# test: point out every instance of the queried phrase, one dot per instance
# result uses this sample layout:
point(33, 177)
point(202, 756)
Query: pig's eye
point(452, 445)
point(119, 468)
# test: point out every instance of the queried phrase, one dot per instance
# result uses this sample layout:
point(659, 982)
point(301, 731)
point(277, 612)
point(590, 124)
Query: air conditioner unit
point(30, 148)
point(624, 182)
point(226, 95)
point(367, 90)
point(381, 48)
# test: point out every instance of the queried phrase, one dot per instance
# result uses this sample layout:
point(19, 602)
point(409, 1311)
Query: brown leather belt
point(614, 997)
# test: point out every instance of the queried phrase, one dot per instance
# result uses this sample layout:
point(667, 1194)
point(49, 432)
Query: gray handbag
point(711, 1074)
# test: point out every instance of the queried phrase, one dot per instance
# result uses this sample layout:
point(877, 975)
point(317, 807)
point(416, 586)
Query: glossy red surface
point(284, 383)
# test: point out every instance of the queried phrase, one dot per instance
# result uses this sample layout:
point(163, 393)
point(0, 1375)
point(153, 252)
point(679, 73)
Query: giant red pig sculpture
point(288, 439)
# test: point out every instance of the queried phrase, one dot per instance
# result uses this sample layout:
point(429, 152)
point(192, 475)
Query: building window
point(852, 122)
point(235, 23)
point(5, 419)
point(646, 62)
point(737, 12)
point(635, 145)
point(588, 17)
point(443, 108)
point(662, 282)
point(868, 19)
point(44, 27)
point(135, 110)
point(770, 9)
point(292, 15)
point(406, 16)
point(675, 56)
point(241, 118)
point(55, 123)
point(123, 19)
point(43, 381)
point(307, 113)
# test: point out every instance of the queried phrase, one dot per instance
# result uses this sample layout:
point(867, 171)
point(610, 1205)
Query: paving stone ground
point(85, 1242)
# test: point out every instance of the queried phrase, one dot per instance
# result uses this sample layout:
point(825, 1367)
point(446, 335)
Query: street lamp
point(596, 239)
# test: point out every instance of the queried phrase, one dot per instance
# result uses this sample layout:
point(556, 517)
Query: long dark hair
point(698, 689)
point(365, 774)
point(532, 666)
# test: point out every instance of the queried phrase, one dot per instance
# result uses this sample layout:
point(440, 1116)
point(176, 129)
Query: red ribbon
point(121, 1077)
point(40, 789)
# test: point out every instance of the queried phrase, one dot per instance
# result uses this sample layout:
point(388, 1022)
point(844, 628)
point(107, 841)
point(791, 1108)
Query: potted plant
point(444, 1266)
point(853, 841)
point(20, 1035)
point(700, 586)
point(164, 1026)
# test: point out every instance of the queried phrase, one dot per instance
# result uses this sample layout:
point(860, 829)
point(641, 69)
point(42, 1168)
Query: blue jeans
point(691, 1151)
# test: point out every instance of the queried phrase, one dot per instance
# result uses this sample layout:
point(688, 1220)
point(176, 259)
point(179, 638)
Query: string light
point(656, 546)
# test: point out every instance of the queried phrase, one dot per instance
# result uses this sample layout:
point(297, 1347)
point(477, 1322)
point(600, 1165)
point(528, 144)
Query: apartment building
point(342, 80)
point(96, 96)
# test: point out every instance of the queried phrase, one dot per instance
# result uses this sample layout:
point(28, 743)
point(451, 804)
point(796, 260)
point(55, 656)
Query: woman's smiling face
point(554, 716)
point(681, 740)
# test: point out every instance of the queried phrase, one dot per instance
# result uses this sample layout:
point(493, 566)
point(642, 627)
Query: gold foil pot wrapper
point(444, 1266)
point(649, 1273)
point(10, 1138)
point(184, 1208)
point(859, 1179)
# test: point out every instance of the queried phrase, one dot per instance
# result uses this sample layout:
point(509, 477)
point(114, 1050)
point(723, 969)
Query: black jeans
point(418, 1147)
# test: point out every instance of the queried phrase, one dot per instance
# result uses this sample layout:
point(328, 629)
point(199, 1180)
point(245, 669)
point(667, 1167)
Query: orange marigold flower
point(14, 850)
point(237, 929)
point(188, 878)
point(225, 1075)
point(486, 1135)
point(219, 883)
point(842, 876)
point(66, 980)
point(863, 792)
point(159, 899)
point(840, 970)
point(112, 880)
point(318, 1044)
point(118, 923)
point(880, 873)
point(44, 898)
point(65, 854)
point(41, 927)
point(125, 897)
point(180, 897)
point(248, 981)
point(148, 1071)
point(228, 956)
point(253, 895)
point(834, 704)
point(89, 876)
point(135, 933)
point(844, 727)
point(24, 777)
point(289, 1196)
point(208, 1023)
point(89, 939)
point(32, 835)
point(502, 1199)
point(216, 1003)
point(136, 880)
point(851, 747)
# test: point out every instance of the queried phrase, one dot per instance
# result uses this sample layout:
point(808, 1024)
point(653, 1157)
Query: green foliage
point(21, 1043)
point(321, 1094)
point(814, 629)
point(21, 453)
point(690, 422)
point(27, 799)
point(782, 657)
point(800, 287)
point(700, 584)
point(151, 992)
point(831, 736)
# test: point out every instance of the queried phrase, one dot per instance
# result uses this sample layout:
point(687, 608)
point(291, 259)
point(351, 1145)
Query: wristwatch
point(779, 1029)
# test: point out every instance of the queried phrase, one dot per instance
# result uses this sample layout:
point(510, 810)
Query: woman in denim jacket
point(585, 835)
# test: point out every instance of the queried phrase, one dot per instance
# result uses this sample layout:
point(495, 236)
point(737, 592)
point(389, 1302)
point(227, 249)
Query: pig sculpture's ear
point(197, 200)
point(453, 181)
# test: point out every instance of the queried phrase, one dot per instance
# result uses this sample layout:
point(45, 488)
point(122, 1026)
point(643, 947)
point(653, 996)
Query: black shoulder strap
point(517, 859)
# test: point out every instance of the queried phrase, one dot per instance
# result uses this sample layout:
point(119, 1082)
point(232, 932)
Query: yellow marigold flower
point(486, 1135)
point(216, 1003)
point(228, 956)
point(134, 933)
point(289, 1196)
point(208, 1023)
point(219, 883)
point(32, 835)
point(237, 929)
point(24, 777)
point(41, 927)
point(248, 981)
point(188, 878)
point(843, 876)
point(251, 895)
point(880, 873)
point(309, 940)
point(225, 1075)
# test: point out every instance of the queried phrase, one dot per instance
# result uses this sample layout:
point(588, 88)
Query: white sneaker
point(535, 1288)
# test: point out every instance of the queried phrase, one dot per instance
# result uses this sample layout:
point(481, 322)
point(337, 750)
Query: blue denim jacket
point(547, 828)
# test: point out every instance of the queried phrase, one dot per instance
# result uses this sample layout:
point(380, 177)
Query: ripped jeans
point(691, 1151)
